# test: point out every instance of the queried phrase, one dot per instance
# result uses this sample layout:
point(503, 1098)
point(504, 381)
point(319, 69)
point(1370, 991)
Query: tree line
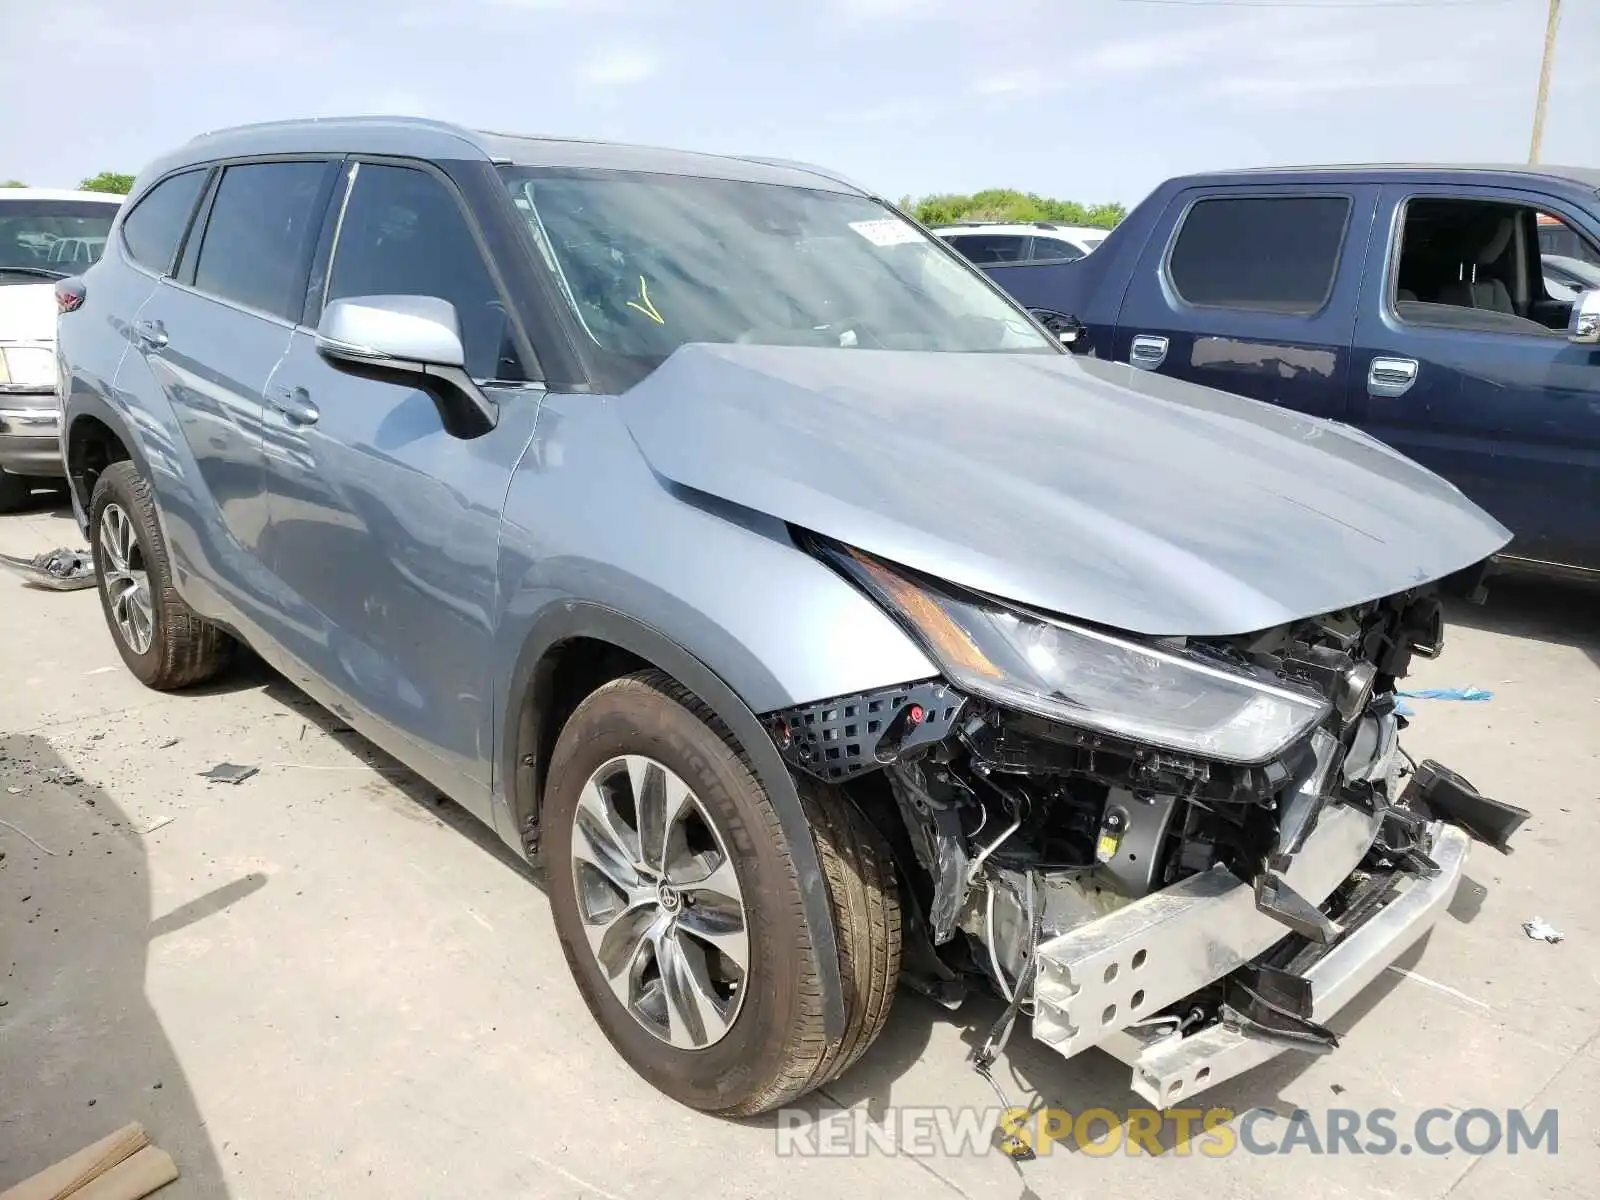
point(1008, 204)
point(107, 181)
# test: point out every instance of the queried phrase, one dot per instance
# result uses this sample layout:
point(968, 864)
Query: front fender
point(516, 806)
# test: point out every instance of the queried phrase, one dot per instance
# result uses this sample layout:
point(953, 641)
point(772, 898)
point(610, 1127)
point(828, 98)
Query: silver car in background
point(45, 235)
point(755, 567)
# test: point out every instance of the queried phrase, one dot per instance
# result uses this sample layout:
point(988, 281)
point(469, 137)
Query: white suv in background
point(45, 235)
point(989, 242)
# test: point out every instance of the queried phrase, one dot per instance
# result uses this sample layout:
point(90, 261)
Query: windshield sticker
point(887, 232)
point(647, 308)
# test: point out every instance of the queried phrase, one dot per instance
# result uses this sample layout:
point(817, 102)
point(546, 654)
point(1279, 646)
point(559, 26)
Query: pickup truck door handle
point(1148, 351)
point(1391, 376)
point(295, 404)
point(151, 333)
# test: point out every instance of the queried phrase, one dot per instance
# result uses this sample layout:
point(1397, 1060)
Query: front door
point(1254, 294)
point(1462, 361)
point(205, 343)
point(384, 527)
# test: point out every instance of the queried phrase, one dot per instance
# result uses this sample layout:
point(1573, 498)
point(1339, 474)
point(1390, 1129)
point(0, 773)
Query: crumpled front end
point(1188, 852)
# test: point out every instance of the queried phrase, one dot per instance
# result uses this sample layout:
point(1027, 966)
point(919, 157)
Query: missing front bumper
point(1096, 982)
point(1168, 1067)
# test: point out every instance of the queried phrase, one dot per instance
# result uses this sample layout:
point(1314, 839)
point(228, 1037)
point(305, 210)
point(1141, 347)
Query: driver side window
point(403, 234)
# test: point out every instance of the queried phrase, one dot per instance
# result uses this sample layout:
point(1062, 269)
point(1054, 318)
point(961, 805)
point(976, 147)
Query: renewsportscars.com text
point(1207, 1132)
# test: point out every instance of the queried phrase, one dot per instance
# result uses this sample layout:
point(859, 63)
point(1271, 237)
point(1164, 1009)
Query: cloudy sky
point(1084, 99)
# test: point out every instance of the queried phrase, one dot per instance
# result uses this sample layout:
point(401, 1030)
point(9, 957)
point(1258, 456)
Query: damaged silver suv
point(761, 572)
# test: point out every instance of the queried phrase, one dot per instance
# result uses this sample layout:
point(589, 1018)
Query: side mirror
point(1584, 326)
point(408, 340)
point(1068, 330)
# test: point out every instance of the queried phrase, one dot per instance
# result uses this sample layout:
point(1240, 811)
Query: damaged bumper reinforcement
point(1169, 1066)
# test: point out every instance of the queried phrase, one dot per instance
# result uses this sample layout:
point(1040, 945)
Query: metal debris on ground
point(1540, 931)
point(59, 570)
point(228, 773)
point(62, 776)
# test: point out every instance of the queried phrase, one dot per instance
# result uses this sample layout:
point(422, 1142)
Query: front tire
point(679, 907)
point(164, 643)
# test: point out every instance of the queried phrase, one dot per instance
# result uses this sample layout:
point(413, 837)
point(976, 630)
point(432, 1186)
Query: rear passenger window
point(987, 248)
point(1266, 254)
point(403, 234)
point(1049, 249)
point(259, 236)
point(154, 227)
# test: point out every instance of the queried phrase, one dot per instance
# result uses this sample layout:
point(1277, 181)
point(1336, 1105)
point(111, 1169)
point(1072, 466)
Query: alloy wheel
point(127, 583)
point(660, 902)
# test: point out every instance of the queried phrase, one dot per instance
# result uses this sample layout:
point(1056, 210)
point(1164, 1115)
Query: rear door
point(1462, 360)
point(204, 345)
point(1254, 292)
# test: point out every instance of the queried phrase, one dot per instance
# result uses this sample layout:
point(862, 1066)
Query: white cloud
point(1022, 84)
point(618, 67)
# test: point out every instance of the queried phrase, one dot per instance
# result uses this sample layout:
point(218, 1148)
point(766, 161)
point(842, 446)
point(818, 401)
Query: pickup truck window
point(1275, 254)
point(1477, 264)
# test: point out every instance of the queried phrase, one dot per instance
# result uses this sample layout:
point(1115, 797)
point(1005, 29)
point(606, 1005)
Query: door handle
point(151, 333)
point(1391, 376)
point(295, 404)
point(1148, 352)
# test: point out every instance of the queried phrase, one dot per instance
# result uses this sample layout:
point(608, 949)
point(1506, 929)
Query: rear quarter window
point(1276, 254)
point(153, 228)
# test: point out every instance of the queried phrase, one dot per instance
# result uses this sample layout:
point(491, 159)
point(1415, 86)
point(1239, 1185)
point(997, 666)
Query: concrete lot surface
point(327, 981)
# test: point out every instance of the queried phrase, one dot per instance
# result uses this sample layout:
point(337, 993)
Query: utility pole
point(1544, 79)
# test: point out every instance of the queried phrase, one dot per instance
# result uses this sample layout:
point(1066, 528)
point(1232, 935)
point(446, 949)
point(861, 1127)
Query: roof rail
point(810, 168)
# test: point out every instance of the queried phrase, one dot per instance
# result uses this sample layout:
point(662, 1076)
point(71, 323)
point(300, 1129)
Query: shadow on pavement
point(82, 1051)
point(1558, 611)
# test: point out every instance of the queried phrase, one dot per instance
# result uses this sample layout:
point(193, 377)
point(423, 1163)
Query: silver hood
point(1080, 487)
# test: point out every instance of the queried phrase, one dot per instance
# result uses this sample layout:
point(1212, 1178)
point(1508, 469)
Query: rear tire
point(769, 1046)
point(165, 644)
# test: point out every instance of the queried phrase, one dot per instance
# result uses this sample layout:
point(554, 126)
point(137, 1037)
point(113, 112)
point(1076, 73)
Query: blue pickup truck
point(1440, 309)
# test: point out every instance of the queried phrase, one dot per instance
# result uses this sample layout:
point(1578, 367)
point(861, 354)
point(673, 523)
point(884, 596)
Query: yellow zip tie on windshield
point(647, 308)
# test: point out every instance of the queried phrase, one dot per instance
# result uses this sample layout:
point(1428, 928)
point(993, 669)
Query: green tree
point(108, 181)
point(1008, 204)
point(13, 183)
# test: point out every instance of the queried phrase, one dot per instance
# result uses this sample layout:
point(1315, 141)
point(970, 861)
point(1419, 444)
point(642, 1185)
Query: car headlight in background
point(1087, 678)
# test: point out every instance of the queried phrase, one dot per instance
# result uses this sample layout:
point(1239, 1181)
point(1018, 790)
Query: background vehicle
point(605, 488)
point(1409, 301)
point(45, 235)
point(987, 242)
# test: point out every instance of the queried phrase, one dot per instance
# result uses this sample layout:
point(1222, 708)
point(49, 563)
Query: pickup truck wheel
point(159, 636)
point(679, 908)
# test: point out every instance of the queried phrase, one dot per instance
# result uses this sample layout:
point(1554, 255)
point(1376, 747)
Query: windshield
point(52, 238)
point(648, 262)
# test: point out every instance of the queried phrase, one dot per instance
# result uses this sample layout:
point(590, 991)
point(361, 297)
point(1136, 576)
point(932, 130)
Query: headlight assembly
point(1087, 678)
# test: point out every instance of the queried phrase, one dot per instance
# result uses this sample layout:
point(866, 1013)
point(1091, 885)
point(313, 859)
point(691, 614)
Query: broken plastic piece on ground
point(1460, 693)
point(228, 773)
point(1540, 931)
point(59, 570)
